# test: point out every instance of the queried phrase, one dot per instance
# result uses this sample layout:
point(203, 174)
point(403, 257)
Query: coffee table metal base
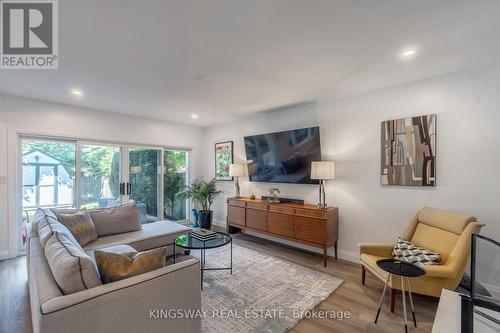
point(204, 260)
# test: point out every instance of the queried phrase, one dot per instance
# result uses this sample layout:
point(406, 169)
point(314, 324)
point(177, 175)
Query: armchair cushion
point(434, 239)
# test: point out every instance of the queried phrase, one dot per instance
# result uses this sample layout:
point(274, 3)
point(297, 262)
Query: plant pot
point(205, 219)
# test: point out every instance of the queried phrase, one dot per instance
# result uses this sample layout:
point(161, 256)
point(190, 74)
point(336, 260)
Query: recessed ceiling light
point(76, 92)
point(408, 53)
point(194, 116)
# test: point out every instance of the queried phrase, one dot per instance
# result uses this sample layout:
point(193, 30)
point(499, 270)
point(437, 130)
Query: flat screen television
point(283, 157)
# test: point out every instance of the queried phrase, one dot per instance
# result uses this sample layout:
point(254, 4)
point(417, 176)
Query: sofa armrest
point(377, 249)
point(132, 304)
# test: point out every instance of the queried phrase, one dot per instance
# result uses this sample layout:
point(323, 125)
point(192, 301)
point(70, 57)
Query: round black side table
point(404, 270)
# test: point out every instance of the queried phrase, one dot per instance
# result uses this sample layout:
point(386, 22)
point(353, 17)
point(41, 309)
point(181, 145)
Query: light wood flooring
point(361, 301)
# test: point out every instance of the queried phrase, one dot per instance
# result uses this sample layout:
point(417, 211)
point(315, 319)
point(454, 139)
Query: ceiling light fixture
point(76, 92)
point(408, 53)
point(194, 116)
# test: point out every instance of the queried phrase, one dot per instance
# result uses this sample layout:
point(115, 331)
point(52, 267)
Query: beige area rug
point(264, 293)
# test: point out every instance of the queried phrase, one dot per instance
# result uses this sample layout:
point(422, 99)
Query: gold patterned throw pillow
point(81, 226)
point(118, 266)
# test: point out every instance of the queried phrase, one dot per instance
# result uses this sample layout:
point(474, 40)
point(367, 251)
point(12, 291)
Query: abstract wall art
point(223, 158)
point(409, 151)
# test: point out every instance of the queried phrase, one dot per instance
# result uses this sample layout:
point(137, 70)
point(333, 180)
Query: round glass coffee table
point(188, 242)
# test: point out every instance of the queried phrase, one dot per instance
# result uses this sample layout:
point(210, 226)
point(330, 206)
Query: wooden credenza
point(301, 223)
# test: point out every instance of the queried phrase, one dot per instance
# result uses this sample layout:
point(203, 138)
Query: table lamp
point(322, 170)
point(237, 170)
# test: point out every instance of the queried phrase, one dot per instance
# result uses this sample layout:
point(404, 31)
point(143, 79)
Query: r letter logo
point(29, 34)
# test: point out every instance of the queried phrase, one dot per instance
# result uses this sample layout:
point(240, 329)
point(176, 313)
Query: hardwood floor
point(361, 301)
point(15, 312)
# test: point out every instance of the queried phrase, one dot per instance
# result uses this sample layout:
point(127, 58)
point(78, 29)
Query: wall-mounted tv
point(283, 157)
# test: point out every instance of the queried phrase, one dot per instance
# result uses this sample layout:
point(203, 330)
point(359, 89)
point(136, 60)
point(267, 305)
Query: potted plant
point(204, 193)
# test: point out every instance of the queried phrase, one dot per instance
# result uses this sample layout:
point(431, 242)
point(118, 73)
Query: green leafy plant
point(202, 192)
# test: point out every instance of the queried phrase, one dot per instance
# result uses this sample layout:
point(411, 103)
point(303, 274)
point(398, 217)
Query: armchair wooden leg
point(363, 274)
point(393, 298)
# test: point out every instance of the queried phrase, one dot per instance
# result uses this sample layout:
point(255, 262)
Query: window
point(51, 177)
point(48, 176)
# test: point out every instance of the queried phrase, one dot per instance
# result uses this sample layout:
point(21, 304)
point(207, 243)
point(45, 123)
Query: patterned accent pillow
point(81, 226)
point(118, 266)
point(406, 251)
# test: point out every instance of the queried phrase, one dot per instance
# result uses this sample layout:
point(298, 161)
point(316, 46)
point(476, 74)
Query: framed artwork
point(223, 158)
point(409, 151)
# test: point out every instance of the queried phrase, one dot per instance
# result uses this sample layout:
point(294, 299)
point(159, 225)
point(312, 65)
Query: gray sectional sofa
point(128, 305)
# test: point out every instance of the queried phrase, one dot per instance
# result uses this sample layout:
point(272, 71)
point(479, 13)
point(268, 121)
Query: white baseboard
point(219, 223)
point(342, 254)
point(4, 255)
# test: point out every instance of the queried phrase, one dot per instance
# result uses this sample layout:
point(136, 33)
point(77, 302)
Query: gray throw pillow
point(48, 225)
point(407, 251)
point(81, 226)
point(116, 220)
point(39, 215)
point(71, 267)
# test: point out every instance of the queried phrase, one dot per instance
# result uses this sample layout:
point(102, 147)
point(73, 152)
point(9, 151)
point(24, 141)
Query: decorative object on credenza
point(223, 159)
point(196, 217)
point(322, 170)
point(237, 170)
point(285, 200)
point(274, 195)
point(252, 196)
point(409, 151)
point(203, 193)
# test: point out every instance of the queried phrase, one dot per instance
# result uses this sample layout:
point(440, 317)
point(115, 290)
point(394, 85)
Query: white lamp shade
point(323, 170)
point(237, 170)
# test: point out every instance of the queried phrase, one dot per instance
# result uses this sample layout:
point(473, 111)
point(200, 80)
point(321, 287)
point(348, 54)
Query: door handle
point(122, 188)
point(129, 188)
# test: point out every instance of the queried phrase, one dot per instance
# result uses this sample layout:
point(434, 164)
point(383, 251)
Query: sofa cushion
point(116, 220)
point(72, 268)
point(118, 266)
point(81, 226)
point(406, 251)
point(151, 235)
point(48, 225)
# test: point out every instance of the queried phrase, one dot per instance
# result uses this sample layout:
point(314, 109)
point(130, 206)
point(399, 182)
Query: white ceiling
point(223, 59)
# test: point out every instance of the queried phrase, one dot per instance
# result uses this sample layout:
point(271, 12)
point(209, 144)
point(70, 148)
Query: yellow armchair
point(445, 232)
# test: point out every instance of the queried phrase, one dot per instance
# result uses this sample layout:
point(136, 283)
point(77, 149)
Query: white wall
point(468, 154)
point(22, 115)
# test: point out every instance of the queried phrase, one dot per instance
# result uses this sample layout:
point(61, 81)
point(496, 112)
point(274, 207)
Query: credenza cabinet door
point(312, 230)
point(257, 219)
point(236, 215)
point(280, 224)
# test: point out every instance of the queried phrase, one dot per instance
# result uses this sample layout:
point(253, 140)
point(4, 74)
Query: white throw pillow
point(407, 251)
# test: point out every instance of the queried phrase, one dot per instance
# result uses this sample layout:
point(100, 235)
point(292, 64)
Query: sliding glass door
point(100, 176)
point(48, 177)
point(78, 174)
point(175, 179)
point(144, 182)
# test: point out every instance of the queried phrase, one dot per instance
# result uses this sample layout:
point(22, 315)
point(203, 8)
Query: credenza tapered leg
point(325, 255)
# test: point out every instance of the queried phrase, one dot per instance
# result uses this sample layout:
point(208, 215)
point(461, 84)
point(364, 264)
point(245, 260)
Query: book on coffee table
point(202, 234)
